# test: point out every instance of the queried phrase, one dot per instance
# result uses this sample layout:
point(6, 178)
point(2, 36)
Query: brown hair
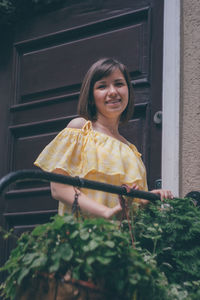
point(102, 68)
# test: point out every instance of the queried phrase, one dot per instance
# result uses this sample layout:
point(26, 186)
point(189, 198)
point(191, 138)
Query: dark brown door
point(41, 82)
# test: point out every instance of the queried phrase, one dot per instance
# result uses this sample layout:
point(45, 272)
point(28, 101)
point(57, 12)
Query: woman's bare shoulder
point(77, 123)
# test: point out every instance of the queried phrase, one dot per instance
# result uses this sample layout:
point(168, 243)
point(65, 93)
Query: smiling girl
point(91, 146)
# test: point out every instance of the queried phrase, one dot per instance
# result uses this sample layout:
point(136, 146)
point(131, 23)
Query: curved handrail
point(25, 175)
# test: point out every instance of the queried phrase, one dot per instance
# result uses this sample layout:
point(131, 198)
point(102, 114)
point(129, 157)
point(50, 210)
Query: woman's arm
point(66, 193)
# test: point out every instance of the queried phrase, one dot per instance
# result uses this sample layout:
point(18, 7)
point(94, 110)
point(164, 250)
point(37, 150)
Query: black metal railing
point(27, 175)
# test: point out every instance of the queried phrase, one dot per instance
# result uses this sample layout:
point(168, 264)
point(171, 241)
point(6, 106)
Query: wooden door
point(50, 55)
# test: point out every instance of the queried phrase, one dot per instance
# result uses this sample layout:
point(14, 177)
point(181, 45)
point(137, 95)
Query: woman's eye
point(101, 87)
point(119, 84)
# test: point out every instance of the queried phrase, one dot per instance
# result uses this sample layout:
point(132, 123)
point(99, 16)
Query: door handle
point(157, 118)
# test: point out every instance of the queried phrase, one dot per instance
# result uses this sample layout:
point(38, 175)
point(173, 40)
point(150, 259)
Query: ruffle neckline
point(85, 151)
point(88, 127)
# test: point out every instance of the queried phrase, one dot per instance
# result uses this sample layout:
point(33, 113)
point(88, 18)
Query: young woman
point(91, 146)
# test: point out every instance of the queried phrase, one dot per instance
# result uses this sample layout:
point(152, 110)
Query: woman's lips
point(113, 101)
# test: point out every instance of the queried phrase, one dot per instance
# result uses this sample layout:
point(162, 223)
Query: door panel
point(48, 70)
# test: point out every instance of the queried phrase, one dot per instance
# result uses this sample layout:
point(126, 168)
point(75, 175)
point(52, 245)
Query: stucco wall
point(190, 97)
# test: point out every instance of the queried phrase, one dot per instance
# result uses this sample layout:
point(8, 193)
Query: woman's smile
point(112, 102)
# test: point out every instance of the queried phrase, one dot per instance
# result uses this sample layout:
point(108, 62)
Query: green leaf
point(84, 234)
point(88, 269)
point(39, 230)
point(74, 234)
point(90, 260)
point(54, 267)
point(110, 244)
point(68, 219)
point(76, 273)
point(167, 265)
point(80, 261)
point(22, 274)
point(67, 252)
point(58, 223)
point(40, 261)
point(86, 248)
point(28, 258)
point(133, 281)
point(103, 260)
point(110, 253)
point(92, 245)
point(63, 251)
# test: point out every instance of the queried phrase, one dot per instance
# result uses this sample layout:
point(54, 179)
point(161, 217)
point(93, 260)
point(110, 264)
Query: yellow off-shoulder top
point(95, 156)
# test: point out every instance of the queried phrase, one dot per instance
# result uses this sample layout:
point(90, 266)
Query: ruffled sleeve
point(93, 155)
point(68, 151)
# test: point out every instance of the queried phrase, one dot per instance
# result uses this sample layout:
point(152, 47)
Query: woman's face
point(111, 95)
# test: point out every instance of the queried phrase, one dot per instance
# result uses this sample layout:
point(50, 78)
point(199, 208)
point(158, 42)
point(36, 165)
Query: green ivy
point(172, 235)
point(89, 250)
point(165, 261)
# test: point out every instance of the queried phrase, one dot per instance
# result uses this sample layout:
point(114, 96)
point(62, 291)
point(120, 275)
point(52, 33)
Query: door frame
point(171, 96)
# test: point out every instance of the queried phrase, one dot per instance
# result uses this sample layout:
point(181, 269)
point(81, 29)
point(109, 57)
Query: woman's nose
point(112, 90)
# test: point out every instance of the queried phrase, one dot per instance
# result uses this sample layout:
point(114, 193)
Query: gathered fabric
point(95, 156)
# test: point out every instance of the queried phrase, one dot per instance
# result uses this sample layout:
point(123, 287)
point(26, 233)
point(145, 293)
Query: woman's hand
point(134, 186)
point(164, 194)
point(110, 212)
point(142, 202)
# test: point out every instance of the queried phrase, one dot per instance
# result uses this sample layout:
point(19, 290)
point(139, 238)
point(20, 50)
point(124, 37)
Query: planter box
point(48, 288)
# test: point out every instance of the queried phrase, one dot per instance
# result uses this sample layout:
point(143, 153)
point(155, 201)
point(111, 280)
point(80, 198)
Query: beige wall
point(190, 97)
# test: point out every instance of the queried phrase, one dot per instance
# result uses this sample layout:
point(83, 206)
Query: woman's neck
point(108, 126)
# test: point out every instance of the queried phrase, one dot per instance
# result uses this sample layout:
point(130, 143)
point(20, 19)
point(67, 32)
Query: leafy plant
point(89, 251)
point(171, 233)
point(165, 261)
